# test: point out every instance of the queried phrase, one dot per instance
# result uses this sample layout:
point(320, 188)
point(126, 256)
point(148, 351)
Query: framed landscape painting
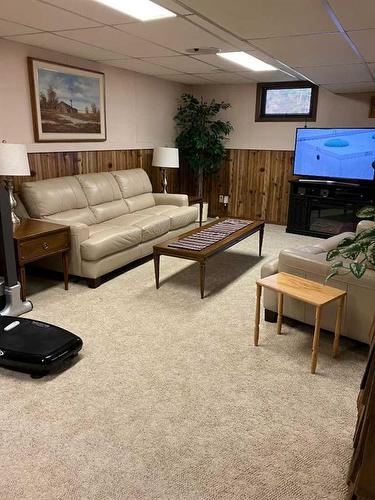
point(68, 103)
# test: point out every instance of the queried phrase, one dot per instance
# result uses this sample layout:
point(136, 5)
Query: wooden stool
point(307, 291)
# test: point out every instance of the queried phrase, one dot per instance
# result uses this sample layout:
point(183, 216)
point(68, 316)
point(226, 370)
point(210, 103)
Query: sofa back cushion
point(62, 196)
point(103, 195)
point(135, 188)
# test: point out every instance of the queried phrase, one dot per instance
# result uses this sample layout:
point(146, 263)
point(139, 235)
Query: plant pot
point(205, 211)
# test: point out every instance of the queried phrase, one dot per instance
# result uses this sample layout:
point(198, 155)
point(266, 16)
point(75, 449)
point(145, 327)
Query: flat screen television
point(340, 154)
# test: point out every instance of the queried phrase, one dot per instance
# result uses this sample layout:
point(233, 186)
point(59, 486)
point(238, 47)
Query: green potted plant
point(201, 136)
point(355, 254)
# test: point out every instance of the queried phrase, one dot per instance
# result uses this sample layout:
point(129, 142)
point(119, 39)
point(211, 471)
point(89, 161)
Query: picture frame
point(68, 102)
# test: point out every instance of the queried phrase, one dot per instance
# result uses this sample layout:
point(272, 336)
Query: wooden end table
point(201, 256)
point(35, 239)
point(307, 291)
point(195, 200)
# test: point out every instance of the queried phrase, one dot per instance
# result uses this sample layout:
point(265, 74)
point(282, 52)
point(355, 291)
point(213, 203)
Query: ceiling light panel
point(247, 61)
point(143, 10)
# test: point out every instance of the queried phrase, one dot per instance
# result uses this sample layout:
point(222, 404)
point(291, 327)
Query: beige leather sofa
point(310, 262)
point(114, 217)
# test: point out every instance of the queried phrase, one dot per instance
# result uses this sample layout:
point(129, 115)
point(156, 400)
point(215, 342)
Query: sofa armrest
point(79, 232)
point(180, 200)
point(364, 225)
point(77, 229)
point(269, 268)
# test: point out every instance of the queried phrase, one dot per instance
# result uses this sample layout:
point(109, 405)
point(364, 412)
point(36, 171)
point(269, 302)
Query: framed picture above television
point(68, 103)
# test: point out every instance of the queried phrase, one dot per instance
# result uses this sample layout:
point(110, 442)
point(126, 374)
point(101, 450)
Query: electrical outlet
point(221, 198)
point(225, 200)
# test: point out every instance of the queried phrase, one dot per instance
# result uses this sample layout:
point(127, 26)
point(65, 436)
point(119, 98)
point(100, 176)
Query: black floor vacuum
point(26, 345)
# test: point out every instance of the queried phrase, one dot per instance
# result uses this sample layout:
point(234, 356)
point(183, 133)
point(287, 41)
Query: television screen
point(335, 153)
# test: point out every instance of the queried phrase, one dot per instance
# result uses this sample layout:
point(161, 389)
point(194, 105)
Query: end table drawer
point(44, 245)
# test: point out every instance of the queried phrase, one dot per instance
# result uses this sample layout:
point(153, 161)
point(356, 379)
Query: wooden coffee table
point(307, 291)
point(201, 256)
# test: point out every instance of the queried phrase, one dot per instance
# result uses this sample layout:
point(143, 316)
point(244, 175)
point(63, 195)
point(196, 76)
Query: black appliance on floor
point(25, 345)
point(35, 347)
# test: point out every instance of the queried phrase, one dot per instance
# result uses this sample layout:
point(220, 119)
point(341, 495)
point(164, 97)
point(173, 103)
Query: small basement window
point(286, 101)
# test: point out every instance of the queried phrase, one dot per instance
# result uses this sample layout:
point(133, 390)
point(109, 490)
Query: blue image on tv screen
point(345, 153)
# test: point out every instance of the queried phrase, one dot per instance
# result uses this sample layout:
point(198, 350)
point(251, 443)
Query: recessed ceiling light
point(246, 60)
point(144, 10)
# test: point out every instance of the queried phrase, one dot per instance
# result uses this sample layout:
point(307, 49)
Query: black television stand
point(323, 209)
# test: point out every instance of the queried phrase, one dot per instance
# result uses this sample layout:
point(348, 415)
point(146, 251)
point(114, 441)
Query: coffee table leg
point(157, 268)
point(336, 342)
point(315, 348)
point(202, 277)
point(257, 315)
point(280, 303)
point(261, 234)
point(66, 269)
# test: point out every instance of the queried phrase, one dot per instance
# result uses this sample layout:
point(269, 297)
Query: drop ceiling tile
point(116, 40)
point(173, 6)
point(141, 66)
point(341, 73)
point(223, 77)
point(188, 79)
point(183, 63)
point(350, 88)
point(66, 46)
point(8, 28)
point(220, 33)
point(365, 42)
point(372, 69)
point(269, 76)
point(93, 10)
point(42, 16)
point(265, 18)
point(175, 33)
point(309, 50)
point(354, 16)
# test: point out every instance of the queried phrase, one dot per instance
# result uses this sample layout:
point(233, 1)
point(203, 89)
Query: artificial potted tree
point(201, 136)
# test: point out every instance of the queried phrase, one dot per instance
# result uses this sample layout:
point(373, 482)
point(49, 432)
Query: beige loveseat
point(114, 217)
point(310, 262)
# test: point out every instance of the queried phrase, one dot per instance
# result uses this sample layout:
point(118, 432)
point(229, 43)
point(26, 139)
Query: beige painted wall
point(140, 108)
point(333, 111)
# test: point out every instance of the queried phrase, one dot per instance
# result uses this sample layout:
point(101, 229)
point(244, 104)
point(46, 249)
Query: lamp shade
point(165, 158)
point(13, 159)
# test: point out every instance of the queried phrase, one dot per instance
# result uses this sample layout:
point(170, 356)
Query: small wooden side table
point(193, 200)
point(307, 291)
point(35, 239)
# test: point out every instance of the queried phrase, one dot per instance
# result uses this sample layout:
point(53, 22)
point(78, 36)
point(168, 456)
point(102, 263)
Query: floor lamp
point(165, 158)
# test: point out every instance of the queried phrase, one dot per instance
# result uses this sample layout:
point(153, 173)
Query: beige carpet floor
point(170, 400)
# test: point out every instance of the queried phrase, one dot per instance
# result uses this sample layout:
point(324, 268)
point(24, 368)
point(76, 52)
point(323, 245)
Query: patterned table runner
point(210, 235)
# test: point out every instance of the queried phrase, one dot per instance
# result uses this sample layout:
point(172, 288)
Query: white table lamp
point(13, 162)
point(165, 158)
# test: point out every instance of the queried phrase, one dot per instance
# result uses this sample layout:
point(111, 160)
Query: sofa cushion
point(103, 195)
point(135, 188)
point(109, 241)
point(57, 196)
point(151, 226)
point(132, 182)
point(179, 216)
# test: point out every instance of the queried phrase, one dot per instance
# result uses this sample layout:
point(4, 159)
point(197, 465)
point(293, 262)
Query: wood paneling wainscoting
point(257, 184)
point(256, 181)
